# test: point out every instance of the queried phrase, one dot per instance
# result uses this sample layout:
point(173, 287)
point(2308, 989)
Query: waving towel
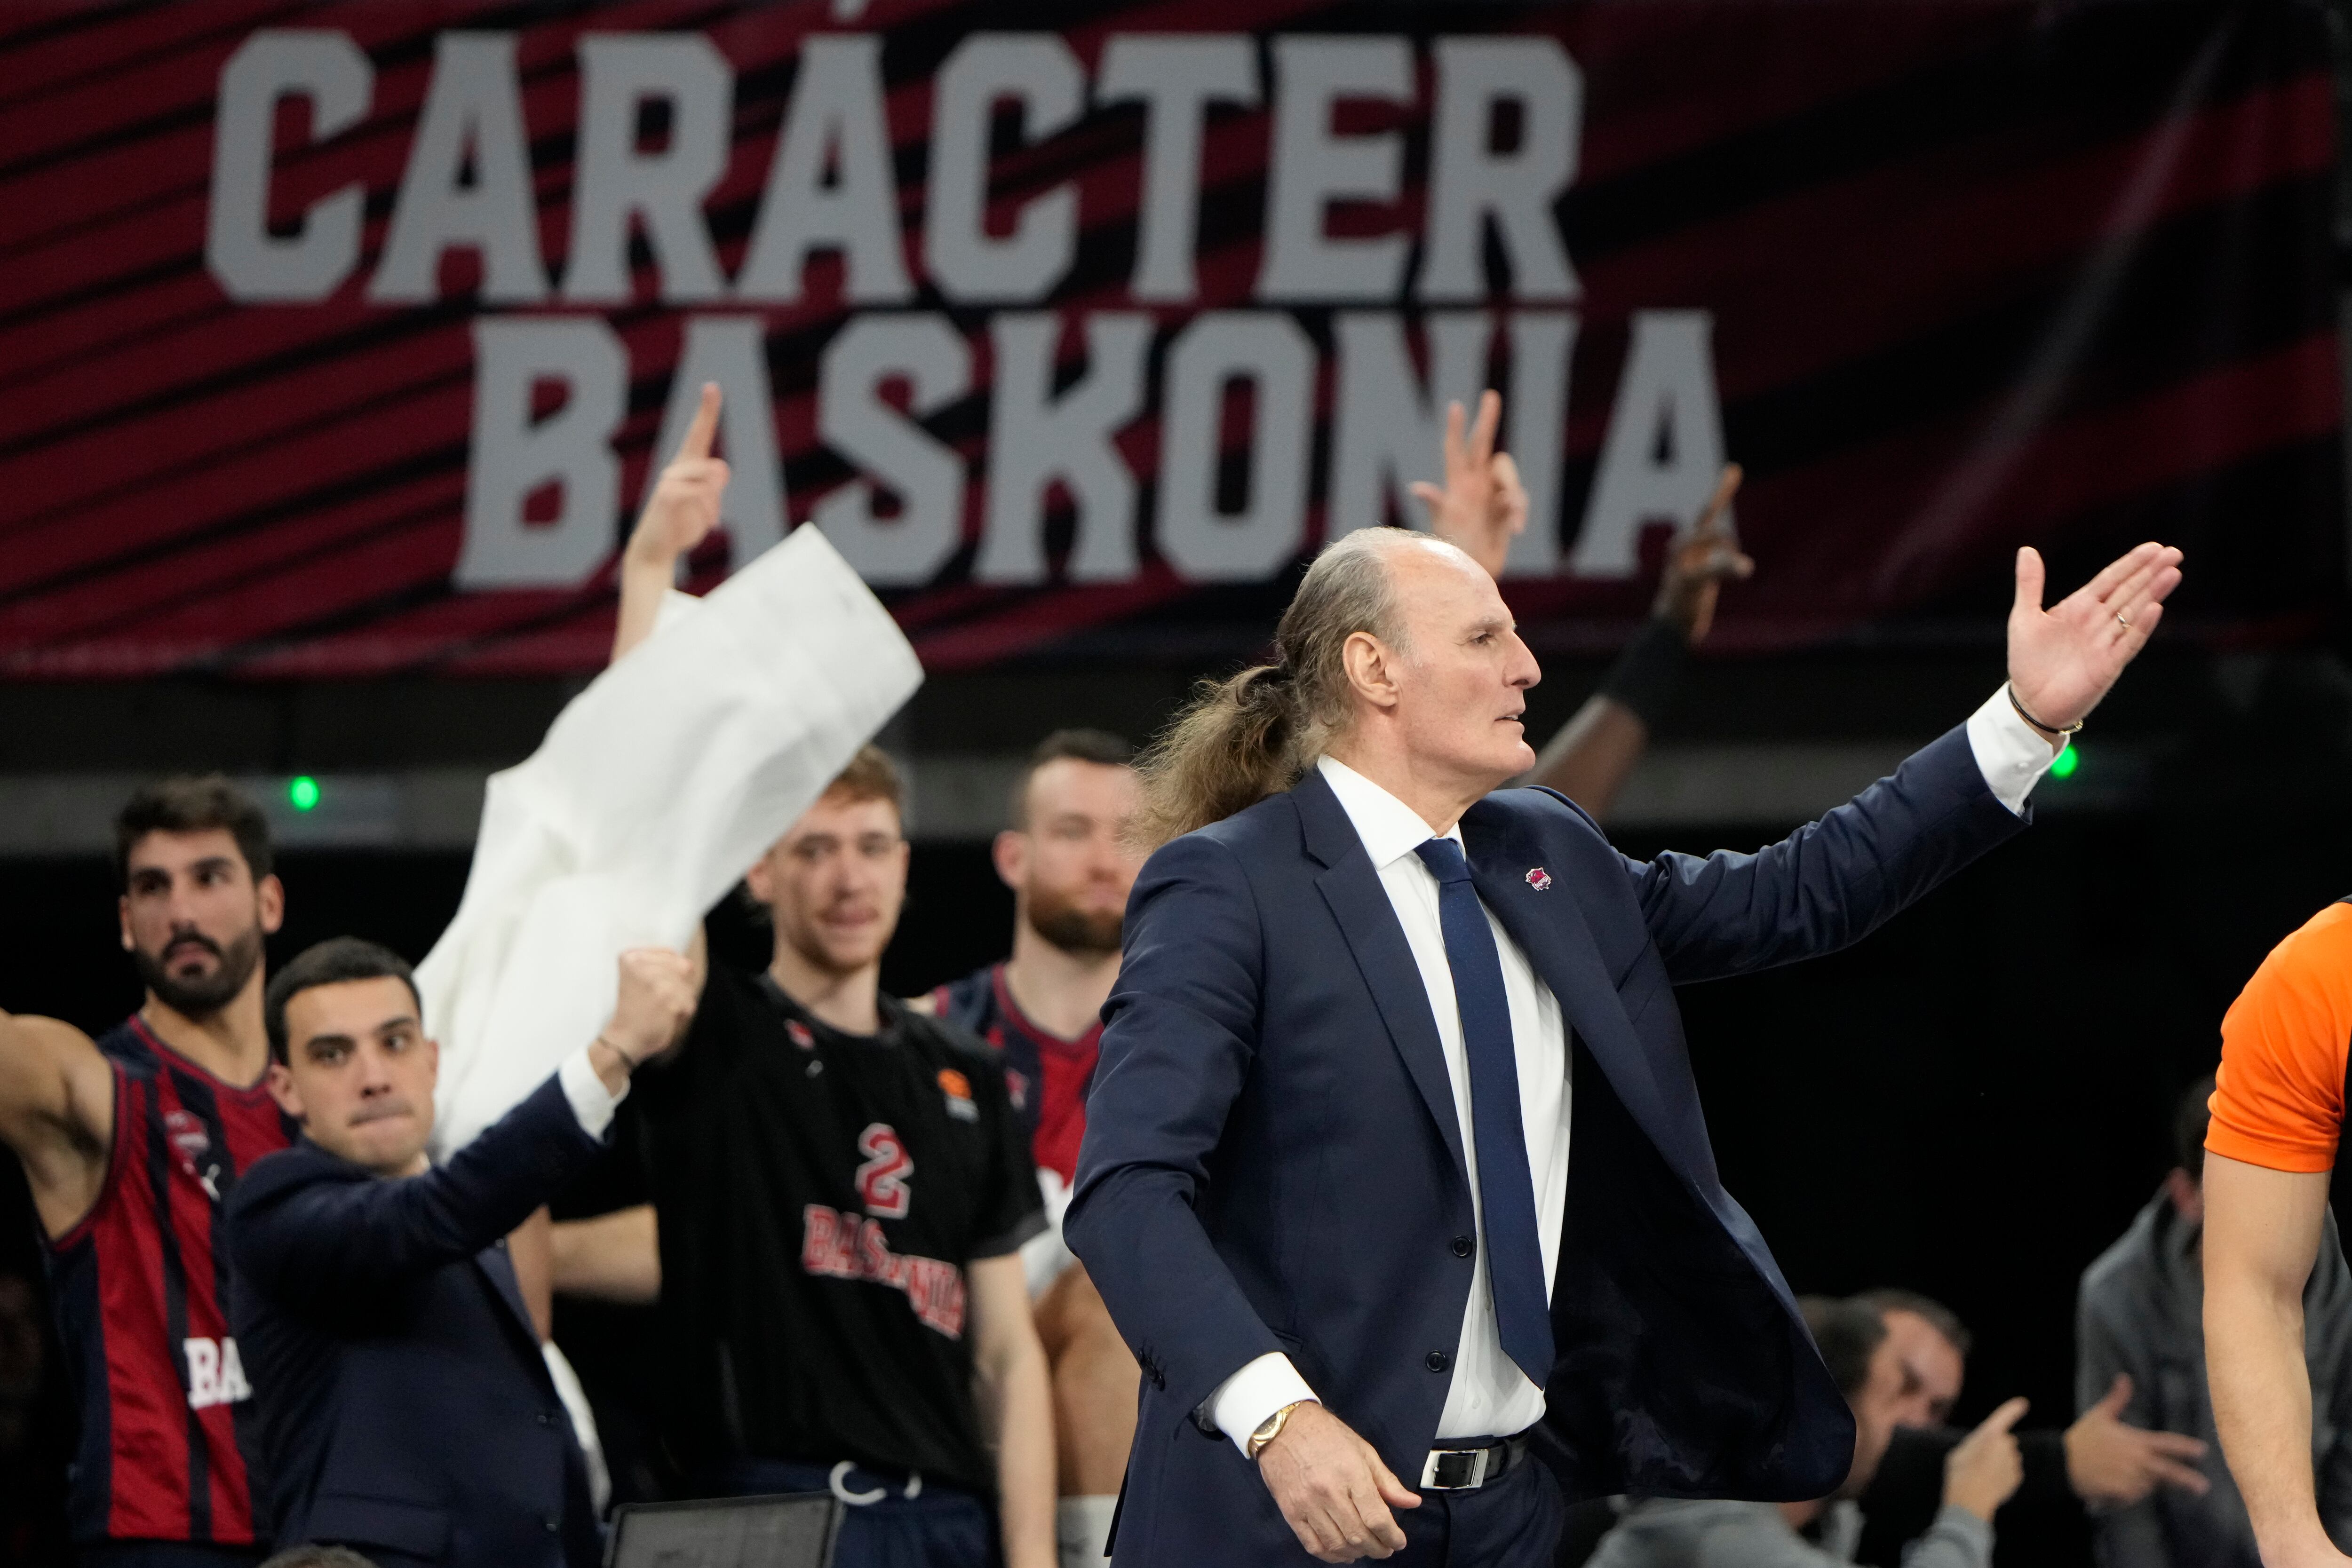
point(654, 791)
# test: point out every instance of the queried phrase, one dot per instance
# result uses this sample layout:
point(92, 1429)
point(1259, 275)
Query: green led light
point(2067, 761)
point(303, 792)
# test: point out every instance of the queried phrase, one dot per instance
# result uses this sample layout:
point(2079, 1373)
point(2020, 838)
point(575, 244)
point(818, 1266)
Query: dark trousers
point(937, 1527)
point(1511, 1524)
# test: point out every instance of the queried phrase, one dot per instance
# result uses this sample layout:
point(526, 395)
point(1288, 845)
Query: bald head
point(1397, 656)
point(1436, 687)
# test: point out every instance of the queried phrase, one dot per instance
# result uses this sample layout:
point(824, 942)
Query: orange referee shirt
point(2278, 1100)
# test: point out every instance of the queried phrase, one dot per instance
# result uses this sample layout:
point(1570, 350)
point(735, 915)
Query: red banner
point(334, 339)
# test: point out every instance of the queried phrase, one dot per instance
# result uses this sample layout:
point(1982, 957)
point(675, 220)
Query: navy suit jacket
point(406, 1408)
point(1273, 1161)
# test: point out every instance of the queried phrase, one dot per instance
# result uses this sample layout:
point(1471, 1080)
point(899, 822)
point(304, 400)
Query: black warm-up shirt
point(820, 1195)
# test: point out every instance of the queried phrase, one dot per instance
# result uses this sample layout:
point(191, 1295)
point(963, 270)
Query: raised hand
point(683, 505)
point(1986, 1469)
point(658, 996)
point(1482, 503)
point(1332, 1489)
point(2112, 1465)
point(1701, 562)
point(2061, 660)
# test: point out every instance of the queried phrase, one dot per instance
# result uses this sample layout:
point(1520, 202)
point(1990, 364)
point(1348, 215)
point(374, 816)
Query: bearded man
point(130, 1142)
point(1070, 862)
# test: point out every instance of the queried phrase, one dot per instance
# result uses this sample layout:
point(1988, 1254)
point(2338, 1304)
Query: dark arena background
point(334, 341)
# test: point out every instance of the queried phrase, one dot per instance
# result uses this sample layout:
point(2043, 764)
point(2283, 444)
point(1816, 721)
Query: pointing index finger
point(2007, 1415)
point(1710, 521)
point(1482, 434)
point(705, 427)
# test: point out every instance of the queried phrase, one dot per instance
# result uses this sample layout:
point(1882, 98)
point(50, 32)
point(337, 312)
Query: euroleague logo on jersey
point(957, 1088)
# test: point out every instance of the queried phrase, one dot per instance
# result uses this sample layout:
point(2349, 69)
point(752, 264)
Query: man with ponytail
point(1369, 999)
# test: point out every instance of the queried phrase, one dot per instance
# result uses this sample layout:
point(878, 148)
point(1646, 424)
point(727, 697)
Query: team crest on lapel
point(1538, 879)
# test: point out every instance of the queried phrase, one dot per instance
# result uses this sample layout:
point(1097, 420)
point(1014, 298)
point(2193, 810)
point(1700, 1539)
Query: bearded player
point(129, 1144)
point(1069, 862)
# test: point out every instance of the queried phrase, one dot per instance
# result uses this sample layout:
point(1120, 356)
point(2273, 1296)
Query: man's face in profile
point(1876, 1410)
point(1463, 674)
point(1932, 1367)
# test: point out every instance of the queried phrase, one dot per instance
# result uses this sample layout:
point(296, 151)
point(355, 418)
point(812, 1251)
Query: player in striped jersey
point(130, 1142)
point(1067, 862)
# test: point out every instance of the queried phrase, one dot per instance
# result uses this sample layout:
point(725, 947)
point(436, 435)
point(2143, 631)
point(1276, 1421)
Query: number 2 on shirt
point(882, 1179)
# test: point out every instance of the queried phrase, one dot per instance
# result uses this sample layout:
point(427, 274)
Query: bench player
point(130, 1142)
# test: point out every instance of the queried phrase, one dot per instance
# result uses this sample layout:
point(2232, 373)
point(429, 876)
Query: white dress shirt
point(1489, 1397)
point(584, 1088)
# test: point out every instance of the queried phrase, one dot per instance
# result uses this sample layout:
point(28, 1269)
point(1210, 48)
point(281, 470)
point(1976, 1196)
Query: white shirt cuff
point(2011, 753)
point(1244, 1401)
point(590, 1100)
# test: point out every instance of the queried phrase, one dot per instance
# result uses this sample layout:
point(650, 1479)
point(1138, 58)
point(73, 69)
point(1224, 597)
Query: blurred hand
point(2113, 1465)
point(683, 505)
point(1482, 503)
point(657, 996)
point(1984, 1471)
point(2061, 660)
point(1701, 562)
point(1332, 1488)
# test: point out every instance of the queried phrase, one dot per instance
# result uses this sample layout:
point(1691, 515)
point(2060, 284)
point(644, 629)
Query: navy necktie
point(1507, 1196)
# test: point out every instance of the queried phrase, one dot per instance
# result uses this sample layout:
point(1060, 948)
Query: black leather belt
point(1466, 1467)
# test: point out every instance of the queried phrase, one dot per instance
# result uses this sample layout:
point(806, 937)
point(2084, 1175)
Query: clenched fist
point(658, 998)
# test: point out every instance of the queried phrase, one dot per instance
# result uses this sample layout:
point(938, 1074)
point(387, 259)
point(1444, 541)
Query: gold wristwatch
point(1271, 1427)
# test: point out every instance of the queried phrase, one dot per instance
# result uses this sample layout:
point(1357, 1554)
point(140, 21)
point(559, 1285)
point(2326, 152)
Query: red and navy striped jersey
point(1047, 1075)
point(168, 1432)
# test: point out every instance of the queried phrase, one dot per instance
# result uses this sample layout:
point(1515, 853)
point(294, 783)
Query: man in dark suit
point(405, 1407)
point(1324, 1188)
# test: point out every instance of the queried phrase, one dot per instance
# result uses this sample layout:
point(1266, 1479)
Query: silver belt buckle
point(1457, 1469)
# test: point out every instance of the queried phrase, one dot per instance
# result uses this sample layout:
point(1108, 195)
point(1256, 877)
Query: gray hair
point(1252, 734)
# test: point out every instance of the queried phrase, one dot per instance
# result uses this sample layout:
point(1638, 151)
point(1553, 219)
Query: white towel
point(655, 790)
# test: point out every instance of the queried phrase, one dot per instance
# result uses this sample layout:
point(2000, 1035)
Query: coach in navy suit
point(405, 1407)
point(1371, 1003)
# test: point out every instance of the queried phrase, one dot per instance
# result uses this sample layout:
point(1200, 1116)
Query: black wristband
point(1650, 670)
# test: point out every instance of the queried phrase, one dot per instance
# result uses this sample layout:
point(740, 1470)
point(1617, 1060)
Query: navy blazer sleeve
point(1831, 882)
point(307, 1229)
point(1185, 1011)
